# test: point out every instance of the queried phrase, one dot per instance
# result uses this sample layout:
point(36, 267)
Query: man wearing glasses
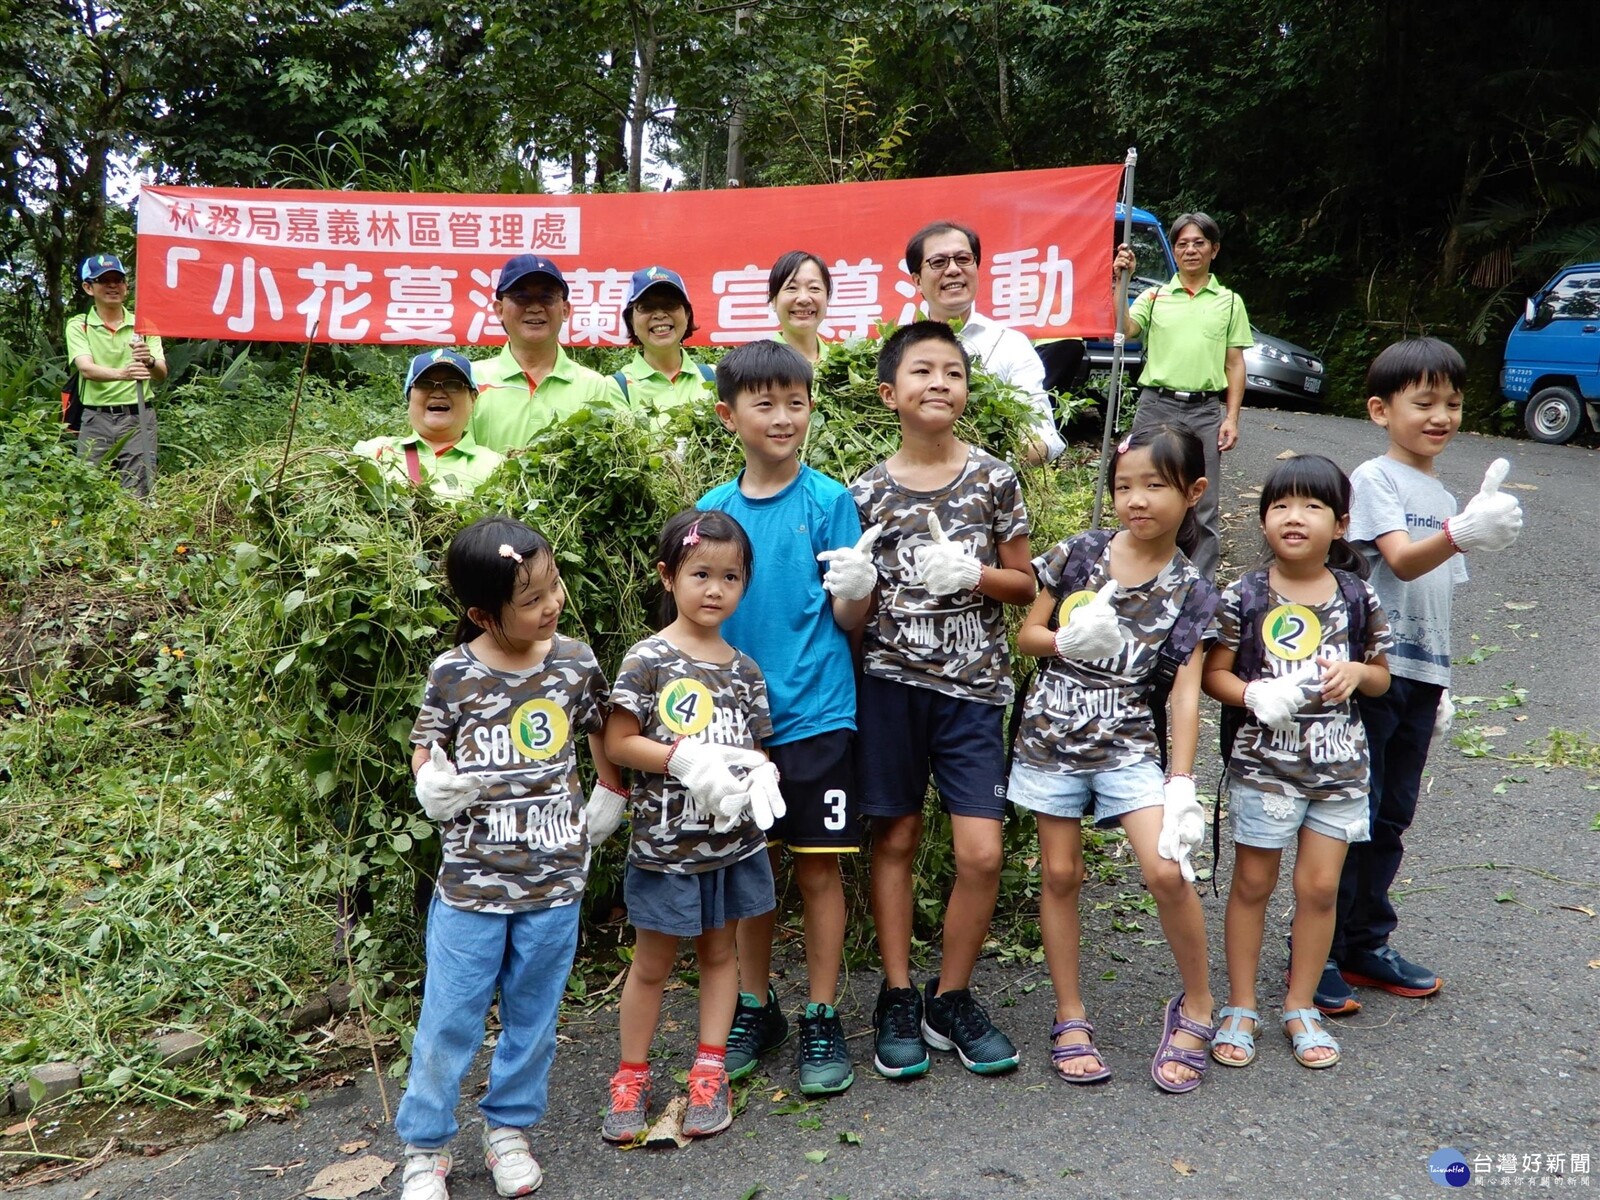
point(439, 453)
point(1195, 335)
point(117, 368)
point(944, 258)
point(531, 382)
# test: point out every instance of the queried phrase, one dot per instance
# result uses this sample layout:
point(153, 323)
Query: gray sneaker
point(629, 1117)
point(825, 1068)
point(710, 1102)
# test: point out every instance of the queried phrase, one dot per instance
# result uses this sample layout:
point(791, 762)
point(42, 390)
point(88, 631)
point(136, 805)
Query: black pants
point(1399, 727)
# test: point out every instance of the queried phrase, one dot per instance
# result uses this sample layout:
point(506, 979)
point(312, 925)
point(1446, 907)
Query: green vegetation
point(204, 714)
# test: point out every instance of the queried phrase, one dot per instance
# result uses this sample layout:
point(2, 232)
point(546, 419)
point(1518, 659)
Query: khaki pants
point(102, 430)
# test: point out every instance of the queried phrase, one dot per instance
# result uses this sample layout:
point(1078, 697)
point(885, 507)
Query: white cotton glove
point(704, 770)
point(1445, 715)
point(945, 567)
point(442, 793)
point(1092, 631)
point(1492, 520)
point(851, 572)
point(759, 797)
point(603, 813)
point(1274, 702)
point(1183, 824)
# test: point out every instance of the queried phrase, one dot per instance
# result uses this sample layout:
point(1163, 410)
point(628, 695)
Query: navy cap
point(97, 265)
point(523, 265)
point(651, 277)
point(452, 359)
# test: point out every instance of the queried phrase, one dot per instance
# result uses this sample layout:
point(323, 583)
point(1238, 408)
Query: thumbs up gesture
point(851, 572)
point(1492, 520)
point(1092, 631)
point(945, 567)
point(1275, 701)
point(441, 791)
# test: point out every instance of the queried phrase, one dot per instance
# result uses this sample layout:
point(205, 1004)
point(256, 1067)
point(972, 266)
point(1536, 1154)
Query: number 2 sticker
point(1291, 632)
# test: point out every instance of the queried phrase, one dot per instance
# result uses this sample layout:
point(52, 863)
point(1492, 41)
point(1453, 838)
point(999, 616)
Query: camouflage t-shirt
point(675, 696)
point(1093, 716)
point(524, 845)
point(953, 644)
point(1324, 757)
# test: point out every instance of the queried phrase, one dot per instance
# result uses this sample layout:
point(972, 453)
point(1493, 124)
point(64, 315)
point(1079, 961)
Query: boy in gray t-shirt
point(1406, 523)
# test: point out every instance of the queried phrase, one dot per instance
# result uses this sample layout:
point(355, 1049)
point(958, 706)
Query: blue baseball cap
point(97, 265)
point(453, 359)
point(651, 277)
point(523, 265)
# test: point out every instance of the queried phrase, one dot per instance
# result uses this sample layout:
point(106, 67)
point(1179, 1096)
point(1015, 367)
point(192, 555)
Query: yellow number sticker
point(685, 707)
point(1291, 632)
point(539, 729)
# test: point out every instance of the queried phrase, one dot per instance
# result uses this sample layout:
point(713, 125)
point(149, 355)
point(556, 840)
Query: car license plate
point(1313, 384)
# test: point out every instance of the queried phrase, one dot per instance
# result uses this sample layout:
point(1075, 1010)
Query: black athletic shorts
point(818, 781)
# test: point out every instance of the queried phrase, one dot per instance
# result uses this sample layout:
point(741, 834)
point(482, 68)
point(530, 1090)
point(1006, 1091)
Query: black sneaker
point(955, 1021)
point(757, 1028)
point(1383, 968)
point(1334, 997)
point(899, 1051)
point(825, 1068)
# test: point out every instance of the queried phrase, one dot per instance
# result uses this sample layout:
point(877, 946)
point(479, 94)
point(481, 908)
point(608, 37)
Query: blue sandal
point(1197, 1061)
point(1236, 1035)
point(1310, 1038)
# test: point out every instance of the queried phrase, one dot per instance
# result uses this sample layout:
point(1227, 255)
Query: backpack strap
point(707, 372)
point(1354, 590)
point(622, 382)
point(1199, 605)
point(1254, 592)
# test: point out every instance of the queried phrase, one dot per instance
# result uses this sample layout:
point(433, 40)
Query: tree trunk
point(645, 42)
point(734, 174)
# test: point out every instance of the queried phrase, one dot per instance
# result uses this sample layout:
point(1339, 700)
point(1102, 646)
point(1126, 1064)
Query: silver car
point(1276, 370)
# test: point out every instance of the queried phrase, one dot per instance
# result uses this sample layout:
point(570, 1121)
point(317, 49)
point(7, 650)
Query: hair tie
point(1124, 445)
point(692, 538)
point(507, 552)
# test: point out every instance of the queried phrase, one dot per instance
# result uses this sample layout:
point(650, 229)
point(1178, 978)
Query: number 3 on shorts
point(833, 818)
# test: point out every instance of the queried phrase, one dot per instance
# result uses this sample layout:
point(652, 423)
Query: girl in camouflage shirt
point(687, 709)
point(1087, 747)
point(496, 765)
point(1298, 773)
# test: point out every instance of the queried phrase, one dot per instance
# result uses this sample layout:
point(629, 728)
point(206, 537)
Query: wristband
point(676, 742)
point(615, 791)
point(1180, 775)
point(1451, 538)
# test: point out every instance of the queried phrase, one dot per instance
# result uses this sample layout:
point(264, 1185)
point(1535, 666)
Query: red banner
point(268, 265)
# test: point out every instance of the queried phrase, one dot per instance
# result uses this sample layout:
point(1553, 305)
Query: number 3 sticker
point(539, 729)
point(685, 707)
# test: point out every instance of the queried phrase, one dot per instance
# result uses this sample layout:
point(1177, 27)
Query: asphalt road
point(1501, 868)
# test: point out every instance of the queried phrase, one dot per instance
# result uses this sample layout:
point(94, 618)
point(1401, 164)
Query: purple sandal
point(1196, 1060)
point(1061, 1054)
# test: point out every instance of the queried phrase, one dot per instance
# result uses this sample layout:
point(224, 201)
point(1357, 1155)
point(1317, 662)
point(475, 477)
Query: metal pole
point(1119, 304)
point(145, 448)
point(294, 409)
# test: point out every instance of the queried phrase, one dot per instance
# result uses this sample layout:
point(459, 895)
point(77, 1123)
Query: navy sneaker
point(1333, 997)
point(956, 1021)
point(1383, 968)
point(825, 1068)
point(899, 1051)
point(757, 1029)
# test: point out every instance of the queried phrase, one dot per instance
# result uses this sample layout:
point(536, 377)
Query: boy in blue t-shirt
point(793, 621)
point(1405, 522)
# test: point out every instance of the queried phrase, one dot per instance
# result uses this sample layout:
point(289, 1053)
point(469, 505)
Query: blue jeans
point(528, 956)
point(1399, 727)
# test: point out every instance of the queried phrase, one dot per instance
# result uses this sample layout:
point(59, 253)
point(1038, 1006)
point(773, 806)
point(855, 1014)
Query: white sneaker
point(516, 1172)
point(424, 1175)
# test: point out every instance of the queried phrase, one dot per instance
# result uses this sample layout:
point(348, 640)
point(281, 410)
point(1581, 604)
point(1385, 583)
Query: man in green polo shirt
point(1195, 334)
point(662, 374)
point(439, 452)
point(531, 382)
point(118, 368)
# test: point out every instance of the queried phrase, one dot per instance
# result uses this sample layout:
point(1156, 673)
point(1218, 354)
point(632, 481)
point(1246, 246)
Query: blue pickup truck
point(1552, 365)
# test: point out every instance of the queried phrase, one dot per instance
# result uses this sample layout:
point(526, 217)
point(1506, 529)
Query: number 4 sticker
point(685, 707)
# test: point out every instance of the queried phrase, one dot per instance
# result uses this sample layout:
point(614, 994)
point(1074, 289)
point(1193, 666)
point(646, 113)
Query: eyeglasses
point(454, 388)
point(1191, 244)
point(522, 299)
point(938, 262)
point(110, 277)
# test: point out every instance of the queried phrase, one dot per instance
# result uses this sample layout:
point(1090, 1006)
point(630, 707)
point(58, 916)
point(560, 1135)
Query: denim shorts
point(1271, 822)
point(1103, 795)
point(689, 905)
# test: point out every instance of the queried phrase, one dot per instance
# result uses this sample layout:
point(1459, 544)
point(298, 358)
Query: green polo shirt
point(453, 475)
point(651, 389)
point(1186, 337)
point(88, 334)
point(510, 409)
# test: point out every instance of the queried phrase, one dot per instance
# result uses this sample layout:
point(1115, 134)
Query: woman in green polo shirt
point(799, 287)
point(661, 374)
point(439, 451)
